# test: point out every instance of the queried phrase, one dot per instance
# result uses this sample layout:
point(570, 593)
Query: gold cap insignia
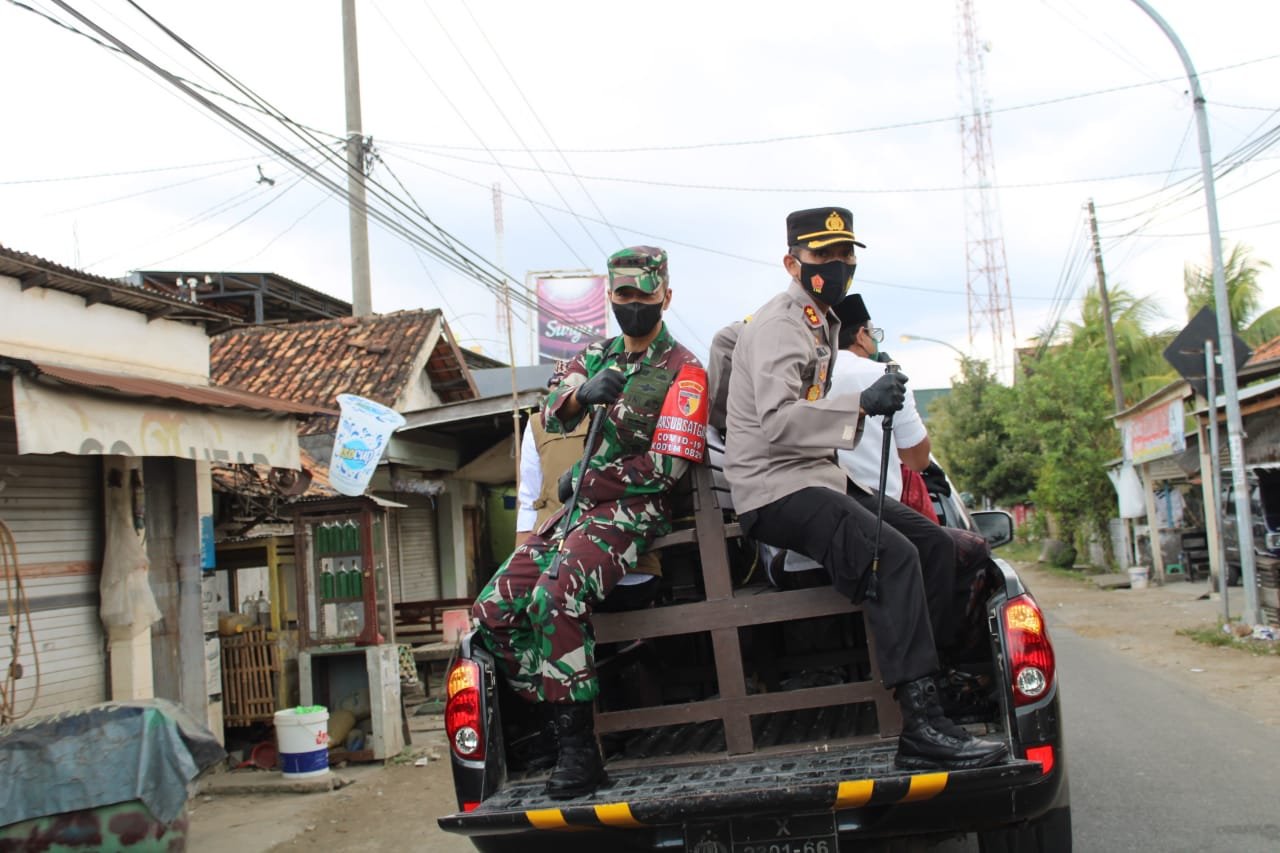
point(835, 222)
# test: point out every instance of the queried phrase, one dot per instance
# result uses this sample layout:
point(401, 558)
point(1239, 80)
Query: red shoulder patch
point(811, 316)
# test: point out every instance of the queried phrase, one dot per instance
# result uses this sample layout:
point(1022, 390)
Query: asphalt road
point(1154, 767)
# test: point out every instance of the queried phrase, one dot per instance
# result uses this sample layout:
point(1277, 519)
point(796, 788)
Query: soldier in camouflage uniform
point(536, 619)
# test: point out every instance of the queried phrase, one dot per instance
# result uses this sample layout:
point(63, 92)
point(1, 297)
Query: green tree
point(1240, 273)
point(972, 439)
point(1063, 407)
point(1140, 352)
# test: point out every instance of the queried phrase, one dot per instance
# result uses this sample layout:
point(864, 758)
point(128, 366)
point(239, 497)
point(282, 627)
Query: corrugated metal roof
point(34, 271)
point(134, 386)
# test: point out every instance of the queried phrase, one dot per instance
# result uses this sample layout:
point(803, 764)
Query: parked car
point(1264, 503)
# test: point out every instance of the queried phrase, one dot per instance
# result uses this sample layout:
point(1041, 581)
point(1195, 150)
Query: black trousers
point(837, 531)
point(937, 553)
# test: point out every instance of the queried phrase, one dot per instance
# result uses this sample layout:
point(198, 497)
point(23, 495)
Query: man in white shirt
point(855, 369)
point(955, 592)
point(859, 363)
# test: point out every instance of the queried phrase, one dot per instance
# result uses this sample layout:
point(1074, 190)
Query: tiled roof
point(1266, 352)
point(373, 357)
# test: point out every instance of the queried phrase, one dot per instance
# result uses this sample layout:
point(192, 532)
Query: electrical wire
point(770, 140)
point(462, 116)
point(402, 226)
point(497, 55)
point(511, 125)
point(131, 173)
point(17, 606)
point(795, 190)
point(214, 93)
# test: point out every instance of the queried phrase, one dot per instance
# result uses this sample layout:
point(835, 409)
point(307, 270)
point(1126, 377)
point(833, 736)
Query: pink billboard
point(571, 314)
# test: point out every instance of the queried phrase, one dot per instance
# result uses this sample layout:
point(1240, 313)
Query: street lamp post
point(1230, 388)
point(905, 337)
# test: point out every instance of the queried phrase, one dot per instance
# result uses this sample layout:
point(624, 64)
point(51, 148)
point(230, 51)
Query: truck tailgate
point(837, 779)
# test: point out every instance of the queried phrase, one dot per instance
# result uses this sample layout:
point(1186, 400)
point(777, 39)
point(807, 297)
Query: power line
point(516, 84)
point(119, 51)
point(793, 190)
point(310, 172)
point(770, 140)
point(501, 112)
point(468, 125)
point(403, 226)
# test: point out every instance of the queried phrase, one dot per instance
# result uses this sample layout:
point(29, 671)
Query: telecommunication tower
point(987, 271)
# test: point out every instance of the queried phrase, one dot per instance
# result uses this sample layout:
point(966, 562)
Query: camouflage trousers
point(539, 627)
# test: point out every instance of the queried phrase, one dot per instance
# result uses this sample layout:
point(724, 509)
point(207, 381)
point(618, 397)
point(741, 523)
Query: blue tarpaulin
point(109, 753)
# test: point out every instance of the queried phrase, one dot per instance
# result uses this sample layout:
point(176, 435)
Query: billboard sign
point(571, 314)
point(1154, 433)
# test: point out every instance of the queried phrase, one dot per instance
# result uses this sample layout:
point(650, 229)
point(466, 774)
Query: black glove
point(882, 357)
point(605, 387)
point(564, 486)
point(936, 479)
point(886, 395)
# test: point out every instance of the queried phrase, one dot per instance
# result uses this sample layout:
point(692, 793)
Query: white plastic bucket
point(363, 431)
point(302, 740)
point(1138, 577)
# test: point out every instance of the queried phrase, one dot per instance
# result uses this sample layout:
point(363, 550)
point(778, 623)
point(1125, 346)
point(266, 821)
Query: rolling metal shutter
point(414, 532)
point(52, 504)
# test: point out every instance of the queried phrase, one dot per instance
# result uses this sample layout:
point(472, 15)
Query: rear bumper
point(861, 786)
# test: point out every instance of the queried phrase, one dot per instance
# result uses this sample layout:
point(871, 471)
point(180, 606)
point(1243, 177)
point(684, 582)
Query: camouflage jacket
point(625, 481)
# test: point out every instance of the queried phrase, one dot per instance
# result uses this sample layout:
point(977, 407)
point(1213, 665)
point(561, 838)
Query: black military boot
point(538, 750)
point(930, 741)
point(579, 769)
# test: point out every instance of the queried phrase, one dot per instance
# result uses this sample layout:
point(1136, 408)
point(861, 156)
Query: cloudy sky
point(693, 126)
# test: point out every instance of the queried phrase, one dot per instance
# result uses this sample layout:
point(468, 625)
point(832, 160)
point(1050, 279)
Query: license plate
point(803, 833)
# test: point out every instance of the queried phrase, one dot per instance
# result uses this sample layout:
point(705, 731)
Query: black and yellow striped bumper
point(655, 797)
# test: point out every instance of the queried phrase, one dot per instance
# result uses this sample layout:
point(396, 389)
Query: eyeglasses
point(876, 334)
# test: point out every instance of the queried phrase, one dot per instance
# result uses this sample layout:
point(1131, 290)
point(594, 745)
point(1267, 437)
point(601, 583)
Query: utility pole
point(1117, 388)
point(361, 292)
point(504, 312)
point(1222, 307)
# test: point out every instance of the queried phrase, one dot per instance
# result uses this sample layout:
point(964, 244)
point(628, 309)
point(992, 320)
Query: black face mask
point(828, 282)
point(637, 319)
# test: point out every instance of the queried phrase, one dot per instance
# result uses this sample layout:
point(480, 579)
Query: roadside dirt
point(1143, 625)
point(395, 807)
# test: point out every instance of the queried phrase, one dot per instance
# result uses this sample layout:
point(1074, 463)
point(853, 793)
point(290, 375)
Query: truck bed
point(833, 779)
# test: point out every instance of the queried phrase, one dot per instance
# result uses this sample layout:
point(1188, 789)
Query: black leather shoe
point(931, 741)
point(579, 769)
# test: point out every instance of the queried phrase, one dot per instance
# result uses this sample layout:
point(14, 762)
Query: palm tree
point(1143, 368)
point(1244, 295)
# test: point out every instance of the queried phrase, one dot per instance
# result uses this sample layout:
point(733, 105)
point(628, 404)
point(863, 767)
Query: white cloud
point(606, 76)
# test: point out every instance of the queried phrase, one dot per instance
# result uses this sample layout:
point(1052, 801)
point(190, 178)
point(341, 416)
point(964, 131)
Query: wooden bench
point(421, 622)
point(722, 614)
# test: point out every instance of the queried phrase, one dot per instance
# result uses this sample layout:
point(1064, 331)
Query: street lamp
point(905, 337)
point(1226, 347)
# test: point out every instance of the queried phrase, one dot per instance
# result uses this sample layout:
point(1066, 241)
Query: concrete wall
point(48, 325)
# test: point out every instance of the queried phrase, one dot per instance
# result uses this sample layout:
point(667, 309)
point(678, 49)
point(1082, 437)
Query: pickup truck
point(738, 718)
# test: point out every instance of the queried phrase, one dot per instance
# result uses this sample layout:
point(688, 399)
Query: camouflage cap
point(641, 267)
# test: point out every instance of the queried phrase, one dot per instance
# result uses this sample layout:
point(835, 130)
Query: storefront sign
point(59, 421)
point(1155, 433)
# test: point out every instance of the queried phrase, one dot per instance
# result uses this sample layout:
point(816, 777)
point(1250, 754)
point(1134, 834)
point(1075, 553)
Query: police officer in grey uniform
point(789, 492)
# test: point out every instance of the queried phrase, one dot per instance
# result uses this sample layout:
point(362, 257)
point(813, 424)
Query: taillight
point(1030, 652)
point(462, 721)
point(1043, 754)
